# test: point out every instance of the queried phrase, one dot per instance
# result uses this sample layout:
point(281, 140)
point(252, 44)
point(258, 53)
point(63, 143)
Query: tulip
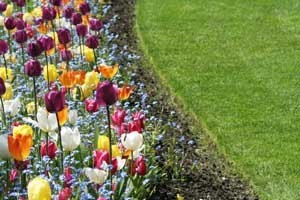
point(34, 49)
point(13, 175)
point(19, 146)
point(70, 138)
point(49, 13)
point(106, 94)
point(10, 23)
point(46, 121)
point(33, 68)
point(82, 92)
point(20, 3)
point(72, 117)
point(139, 166)
point(67, 79)
point(64, 35)
point(56, 2)
point(66, 55)
point(99, 158)
point(125, 92)
point(108, 72)
point(63, 115)
point(9, 10)
point(55, 101)
point(46, 42)
point(68, 11)
point(139, 120)
point(91, 79)
point(103, 143)
point(3, 47)
point(96, 175)
point(118, 117)
point(39, 189)
point(95, 24)
point(92, 41)
point(22, 130)
point(4, 152)
point(10, 75)
point(76, 19)
point(91, 105)
point(68, 178)
point(20, 36)
point(84, 8)
point(3, 6)
point(65, 194)
point(81, 30)
point(48, 149)
point(12, 106)
point(79, 77)
point(20, 24)
point(2, 87)
point(52, 73)
point(132, 141)
point(89, 54)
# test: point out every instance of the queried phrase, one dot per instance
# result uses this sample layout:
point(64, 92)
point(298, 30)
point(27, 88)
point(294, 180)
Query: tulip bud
point(66, 55)
point(81, 30)
point(55, 101)
point(132, 141)
point(3, 6)
point(2, 87)
point(51, 146)
point(65, 194)
point(13, 175)
point(76, 18)
point(91, 105)
point(64, 35)
point(48, 13)
point(38, 189)
point(3, 47)
point(73, 115)
point(68, 11)
point(95, 24)
point(46, 42)
point(20, 36)
point(33, 68)
point(92, 41)
point(84, 8)
point(10, 23)
point(34, 49)
point(106, 94)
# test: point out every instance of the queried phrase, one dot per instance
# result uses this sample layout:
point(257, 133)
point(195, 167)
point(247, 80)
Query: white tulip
point(70, 138)
point(4, 152)
point(96, 175)
point(72, 117)
point(132, 141)
point(46, 121)
point(11, 107)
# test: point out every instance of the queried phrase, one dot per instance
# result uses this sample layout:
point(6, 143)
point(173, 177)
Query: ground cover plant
point(234, 65)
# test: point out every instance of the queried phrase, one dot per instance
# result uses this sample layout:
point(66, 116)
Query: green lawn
point(236, 65)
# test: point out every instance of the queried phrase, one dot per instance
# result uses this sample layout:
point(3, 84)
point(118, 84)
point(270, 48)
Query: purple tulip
point(20, 24)
point(76, 18)
point(55, 101)
point(49, 13)
point(64, 35)
point(56, 2)
point(66, 55)
point(34, 49)
point(20, 36)
point(3, 47)
point(46, 42)
point(68, 11)
point(95, 24)
point(106, 93)
point(10, 23)
point(84, 8)
point(3, 6)
point(92, 41)
point(33, 68)
point(2, 87)
point(20, 3)
point(81, 30)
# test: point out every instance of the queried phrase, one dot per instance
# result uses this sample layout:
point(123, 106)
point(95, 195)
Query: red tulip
point(34, 49)
point(3, 47)
point(51, 149)
point(95, 24)
point(76, 18)
point(46, 43)
point(91, 105)
point(92, 41)
point(33, 68)
point(99, 157)
point(10, 23)
point(13, 175)
point(20, 24)
point(55, 101)
point(68, 177)
point(3, 6)
point(20, 36)
point(49, 13)
point(68, 11)
point(66, 55)
point(139, 166)
point(81, 30)
point(106, 93)
point(20, 3)
point(65, 194)
point(84, 8)
point(118, 117)
point(64, 35)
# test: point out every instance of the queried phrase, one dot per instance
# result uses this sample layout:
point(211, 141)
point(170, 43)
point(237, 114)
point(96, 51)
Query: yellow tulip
point(116, 151)
point(39, 189)
point(9, 74)
point(9, 92)
point(22, 130)
point(91, 80)
point(89, 54)
point(30, 108)
point(9, 10)
point(37, 12)
point(84, 90)
point(28, 18)
point(103, 143)
point(52, 73)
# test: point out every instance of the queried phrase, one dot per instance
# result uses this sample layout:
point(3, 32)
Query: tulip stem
point(9, 41)
point(23, 180)
point(47, 143)
point(95, 56)
point(23, 58)
point(54, 37)
point(3, 111)
point(110, 148)
point(35, 99)
point(5, 64)
point(7, 174)
point(48, 81)
point(60, 144)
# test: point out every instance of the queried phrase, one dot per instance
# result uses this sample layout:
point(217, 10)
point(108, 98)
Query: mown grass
point(235, 65)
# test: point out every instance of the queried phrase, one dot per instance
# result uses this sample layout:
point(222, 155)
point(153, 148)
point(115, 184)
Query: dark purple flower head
point(56, 2)
point(106, 93)
point(46, 42)
point(20, 3)
point(3, 47)
point(55, 101)
point(49, 13)
point(2, 87)
point(10, 23)
point(66, 55)
point(92, 41)
point(64, 35)
point(95, 24)
point(3, 6)
point(33, 68)
point(81, 30)
point(20, 24)
point(76, 18)
point(84, 8)
point(68, 11)
point(34, 49)
point(20, 36)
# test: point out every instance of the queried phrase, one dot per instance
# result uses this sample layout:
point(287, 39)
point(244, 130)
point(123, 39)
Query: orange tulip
point(79, 77)
point(63, 115)
point(67, 79)
point(19, 146)
point(77, 3)
point(85, 20)
point(125, 91)
point(108, 72)
point(42, 28)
